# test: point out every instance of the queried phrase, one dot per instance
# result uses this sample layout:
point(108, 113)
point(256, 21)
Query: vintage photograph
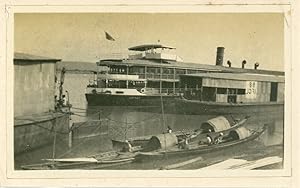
point(149, 91)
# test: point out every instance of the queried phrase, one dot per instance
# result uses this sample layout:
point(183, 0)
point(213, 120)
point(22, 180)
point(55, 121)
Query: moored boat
point(211, 127)
point(235, 137)
point(151, 72)
point(101, 160)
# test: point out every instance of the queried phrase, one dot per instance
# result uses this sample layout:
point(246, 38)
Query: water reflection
point(130, 122)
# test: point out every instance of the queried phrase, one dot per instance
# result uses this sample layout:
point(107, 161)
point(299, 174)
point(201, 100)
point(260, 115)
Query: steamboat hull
point(132, 100)
point(183, 106)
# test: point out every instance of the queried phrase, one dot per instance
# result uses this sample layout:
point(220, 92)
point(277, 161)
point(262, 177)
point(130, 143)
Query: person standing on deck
point(169, 129)
point(219, 138)
point(209, 139)
point(184, 144)
point(129, 146)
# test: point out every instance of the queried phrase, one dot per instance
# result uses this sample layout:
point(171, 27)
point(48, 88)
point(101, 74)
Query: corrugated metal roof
point(239, 76)
point(30, 57)
point(148, 47)
point(183, 65)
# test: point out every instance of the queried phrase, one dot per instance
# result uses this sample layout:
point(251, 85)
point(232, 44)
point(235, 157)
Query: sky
point(80, 36)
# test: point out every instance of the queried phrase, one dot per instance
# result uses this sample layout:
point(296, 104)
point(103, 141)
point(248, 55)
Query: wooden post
point(174, 83)
point(201, 95)
point(160, 81)
point(127, 72)
point(54, 139)
point(70, 135)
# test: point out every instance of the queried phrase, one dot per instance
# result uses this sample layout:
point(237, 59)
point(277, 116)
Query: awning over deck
point(240, 133)
point(146, 47)
point(161, 141)
point(217, 124)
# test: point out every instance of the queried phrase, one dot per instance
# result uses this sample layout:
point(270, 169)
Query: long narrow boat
point(235, 137)
point(102, 160)
point(216, 125)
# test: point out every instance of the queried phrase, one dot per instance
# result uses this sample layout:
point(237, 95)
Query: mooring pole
point(54, 139)
point(70, 135)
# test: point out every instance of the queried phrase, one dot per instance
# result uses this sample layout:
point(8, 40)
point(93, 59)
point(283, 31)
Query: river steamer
point(150, 72)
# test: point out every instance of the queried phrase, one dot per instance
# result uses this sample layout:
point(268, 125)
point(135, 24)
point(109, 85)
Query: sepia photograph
point(149, 91)
point(157, 94)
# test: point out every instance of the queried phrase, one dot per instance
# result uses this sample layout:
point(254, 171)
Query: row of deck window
point(153, 70)
point(210, 93)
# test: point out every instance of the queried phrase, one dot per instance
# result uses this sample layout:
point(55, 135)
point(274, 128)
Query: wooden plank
point(225, 164)
point(177, 165)
point(84, 159)
point(259, 163)
point(241, 164)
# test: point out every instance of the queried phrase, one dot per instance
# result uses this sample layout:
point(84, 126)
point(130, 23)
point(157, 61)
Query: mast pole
point(161, 98)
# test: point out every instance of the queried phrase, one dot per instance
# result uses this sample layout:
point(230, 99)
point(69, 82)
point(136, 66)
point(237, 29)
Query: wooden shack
point(35, 119)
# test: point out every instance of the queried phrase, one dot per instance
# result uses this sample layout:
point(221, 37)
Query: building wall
point(280, 97)
point(34, 135)
point(34, 88)
point(221, 98)
point(211, 82)
point(262, 93)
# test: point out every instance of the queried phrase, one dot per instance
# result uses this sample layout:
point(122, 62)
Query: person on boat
point(184, 144)
point(64, 100)
point(129, 146)
point(209, 140)
point(219, 138)
point(169, 129)
point(56, 102)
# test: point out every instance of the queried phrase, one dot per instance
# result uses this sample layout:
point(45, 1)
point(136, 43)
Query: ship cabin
point(154, 52)
point(151, 68)
point(154, 69)
point(233, 88)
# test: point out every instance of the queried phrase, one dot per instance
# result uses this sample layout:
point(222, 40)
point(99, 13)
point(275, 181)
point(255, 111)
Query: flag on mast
point(109, 37)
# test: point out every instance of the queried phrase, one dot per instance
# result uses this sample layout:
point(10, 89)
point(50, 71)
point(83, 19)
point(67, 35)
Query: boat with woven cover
point(162, 148)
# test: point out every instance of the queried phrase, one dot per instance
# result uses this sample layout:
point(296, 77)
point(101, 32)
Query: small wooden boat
point(98, 161)
point(211, 127)
point(235, 137)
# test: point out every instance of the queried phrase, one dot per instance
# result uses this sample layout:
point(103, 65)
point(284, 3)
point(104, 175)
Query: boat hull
point(183, 106)
point(127, 100)
point(156, 155)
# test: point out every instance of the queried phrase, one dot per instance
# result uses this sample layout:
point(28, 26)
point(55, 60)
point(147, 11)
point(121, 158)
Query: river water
point(125, 122)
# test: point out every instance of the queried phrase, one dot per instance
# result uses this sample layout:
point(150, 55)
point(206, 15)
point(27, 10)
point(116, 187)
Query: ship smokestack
point(220, 55)
point(256, 65)
point(229, 63)
point(243, 64)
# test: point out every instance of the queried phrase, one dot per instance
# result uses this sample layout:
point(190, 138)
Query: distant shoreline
point(77, 67)
point(77, 71)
